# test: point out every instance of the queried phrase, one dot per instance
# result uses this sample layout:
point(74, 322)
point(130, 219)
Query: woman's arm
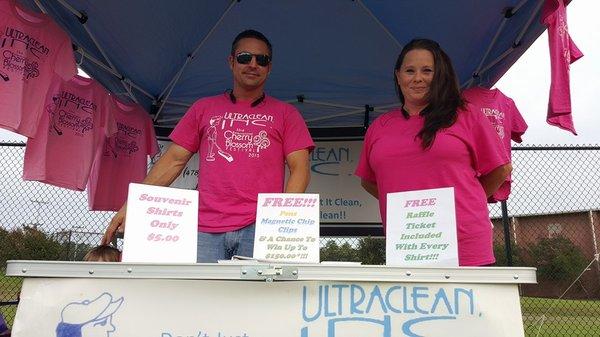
point(370, 187)
point(492, 181)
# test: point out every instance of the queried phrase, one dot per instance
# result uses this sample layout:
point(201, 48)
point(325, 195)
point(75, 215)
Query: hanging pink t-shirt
point(502, 112)
point(76, 118)
point(33, 48)
point(124, 158)
point(242, 153)
point(563, 52)
point(393, 159)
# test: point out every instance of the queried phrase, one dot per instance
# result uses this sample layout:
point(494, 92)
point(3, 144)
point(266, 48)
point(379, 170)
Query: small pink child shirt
point(502, 112)
point(77, 116)
point(563, 52)
point(124, 158)
point(393, 159)
point(33, 49)
point(242, 150)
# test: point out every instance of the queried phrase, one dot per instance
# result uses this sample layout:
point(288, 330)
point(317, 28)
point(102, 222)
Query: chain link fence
point(552, 217)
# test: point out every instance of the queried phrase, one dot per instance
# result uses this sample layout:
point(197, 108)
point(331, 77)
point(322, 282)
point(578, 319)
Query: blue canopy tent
point(333, 59)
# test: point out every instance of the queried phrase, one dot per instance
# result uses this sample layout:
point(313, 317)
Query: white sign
point(213, 308)
point(287, 227)
point(161, 225)
point(421, 228)
point(343, 200)
point(332, 166)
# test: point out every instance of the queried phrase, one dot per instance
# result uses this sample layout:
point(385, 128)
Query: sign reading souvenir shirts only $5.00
point(421, 228)
point(162, 225)
point(287, 227)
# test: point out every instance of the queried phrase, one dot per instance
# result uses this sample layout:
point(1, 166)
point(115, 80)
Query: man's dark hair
point(253, 34)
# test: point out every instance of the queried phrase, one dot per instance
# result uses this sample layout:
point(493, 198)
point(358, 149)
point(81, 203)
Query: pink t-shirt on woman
point(76, 118)
point(32, 50)
point(242, 153)
point(502, 112)
point(123, 159)
point(563, 52)
point(393, 159)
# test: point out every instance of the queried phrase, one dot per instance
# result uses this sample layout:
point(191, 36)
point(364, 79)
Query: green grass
point(9, 291)
point(558, 318)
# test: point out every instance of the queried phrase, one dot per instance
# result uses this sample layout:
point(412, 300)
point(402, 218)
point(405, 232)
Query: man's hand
point(117, 224)
point(163, 173)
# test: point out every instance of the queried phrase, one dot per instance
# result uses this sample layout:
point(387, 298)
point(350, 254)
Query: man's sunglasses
point(246, 58)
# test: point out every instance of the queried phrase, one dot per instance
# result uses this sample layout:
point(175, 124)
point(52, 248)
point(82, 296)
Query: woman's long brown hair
point(443, 98)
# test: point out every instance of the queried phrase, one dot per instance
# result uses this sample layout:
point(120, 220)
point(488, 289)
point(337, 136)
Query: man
point(244, 138)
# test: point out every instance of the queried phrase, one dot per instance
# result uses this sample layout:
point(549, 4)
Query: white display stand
point(118, 299)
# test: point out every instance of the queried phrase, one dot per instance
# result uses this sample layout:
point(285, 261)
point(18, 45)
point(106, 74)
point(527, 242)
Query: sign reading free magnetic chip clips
point(162, 225)
point(287, 227)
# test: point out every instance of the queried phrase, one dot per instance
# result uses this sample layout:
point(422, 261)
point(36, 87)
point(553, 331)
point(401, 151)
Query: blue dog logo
point(89, 318)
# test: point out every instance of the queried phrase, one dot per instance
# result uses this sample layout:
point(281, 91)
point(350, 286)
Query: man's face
point(252, 75)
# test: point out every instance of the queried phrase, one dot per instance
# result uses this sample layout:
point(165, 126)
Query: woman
point(435, 141)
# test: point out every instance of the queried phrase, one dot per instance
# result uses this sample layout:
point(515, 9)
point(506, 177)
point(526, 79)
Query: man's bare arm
point(163, 173)
point(298, 163)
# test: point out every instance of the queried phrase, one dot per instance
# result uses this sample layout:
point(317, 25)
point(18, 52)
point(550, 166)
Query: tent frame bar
point(99, 63)
point(516, 43)
point(83, 20)
point(189, 57)
point(383, 27)
point(113, 72)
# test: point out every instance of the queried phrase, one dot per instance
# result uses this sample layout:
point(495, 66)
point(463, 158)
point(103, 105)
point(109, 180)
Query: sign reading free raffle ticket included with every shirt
point(161, 225)
point(421, 228)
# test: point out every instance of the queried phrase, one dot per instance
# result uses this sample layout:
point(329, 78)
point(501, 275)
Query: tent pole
point(368, 109)
point(384, 28)
point(94, 60)
point(516, 44)
point(529, 21)
point(40, 6)
point(83, 20)
point(507, 15)
point(113, 72)
point(169, 88)
point(333, 105)
point(353, 112)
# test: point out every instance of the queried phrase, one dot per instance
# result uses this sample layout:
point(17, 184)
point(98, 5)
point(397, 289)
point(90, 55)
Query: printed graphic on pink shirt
point(69, 111)
point(21, 54)
point(32, 50)
point(124, 142)
point(238, 134)
point(496, 117)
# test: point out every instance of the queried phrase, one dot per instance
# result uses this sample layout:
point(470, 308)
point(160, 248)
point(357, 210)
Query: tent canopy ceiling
point(337, 54)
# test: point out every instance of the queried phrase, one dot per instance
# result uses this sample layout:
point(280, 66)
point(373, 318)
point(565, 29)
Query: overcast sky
point(528, 83)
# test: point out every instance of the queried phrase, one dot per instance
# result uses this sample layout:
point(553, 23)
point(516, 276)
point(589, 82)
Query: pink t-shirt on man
point(242, 153)
point(393, 159)
point(32, 49)
point(123, 159)
point(502, 112)
point(76, 118)
point(563, 52)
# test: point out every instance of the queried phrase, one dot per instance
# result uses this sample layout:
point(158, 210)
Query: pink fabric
point(393, 159)
point(242, 153)
point(124, 158)
point(563, 52)
point(33, 48)
point(75, 121)
point(502, 112)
